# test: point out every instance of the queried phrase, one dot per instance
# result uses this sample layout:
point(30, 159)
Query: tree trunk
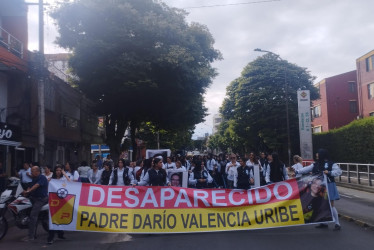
point(115, 127)
point(133, 127)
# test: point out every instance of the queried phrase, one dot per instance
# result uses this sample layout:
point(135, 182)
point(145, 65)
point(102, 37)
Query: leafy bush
point(351, 143)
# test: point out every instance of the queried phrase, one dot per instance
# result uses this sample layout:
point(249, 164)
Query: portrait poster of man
point(178, 178)
point(314, 199)
point(149, 153)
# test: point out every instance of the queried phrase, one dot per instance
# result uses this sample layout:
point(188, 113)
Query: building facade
point(70, 123)
point(338, 103)
point(365, 77)
point(217, 119)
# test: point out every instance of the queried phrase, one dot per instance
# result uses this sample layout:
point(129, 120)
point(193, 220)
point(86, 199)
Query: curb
point(356, 187)
point(357, 221)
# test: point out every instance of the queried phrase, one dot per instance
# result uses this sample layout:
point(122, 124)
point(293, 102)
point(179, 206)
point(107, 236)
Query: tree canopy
point(139, 60)
point(254, 109)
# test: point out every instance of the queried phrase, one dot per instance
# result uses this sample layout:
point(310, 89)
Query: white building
point(217, 119)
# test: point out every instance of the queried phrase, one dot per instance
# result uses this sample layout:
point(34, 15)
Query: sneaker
point(337, 227)
point(50, 242)
point(322, 226)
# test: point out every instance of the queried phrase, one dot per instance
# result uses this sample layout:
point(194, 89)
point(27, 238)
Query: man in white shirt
point(25, 176)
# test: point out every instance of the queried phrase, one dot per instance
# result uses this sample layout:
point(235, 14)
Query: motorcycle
point(20, 207)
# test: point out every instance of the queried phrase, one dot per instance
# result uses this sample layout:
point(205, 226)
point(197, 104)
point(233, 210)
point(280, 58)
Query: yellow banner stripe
point(284, 213)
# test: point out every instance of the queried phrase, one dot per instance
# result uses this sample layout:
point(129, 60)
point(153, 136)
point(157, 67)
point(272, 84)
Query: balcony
point(11, 43)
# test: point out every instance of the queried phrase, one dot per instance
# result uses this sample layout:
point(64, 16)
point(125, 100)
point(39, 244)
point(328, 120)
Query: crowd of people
point(203, 171)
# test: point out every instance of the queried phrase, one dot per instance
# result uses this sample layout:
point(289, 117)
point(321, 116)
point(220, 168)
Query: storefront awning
point(10, 143)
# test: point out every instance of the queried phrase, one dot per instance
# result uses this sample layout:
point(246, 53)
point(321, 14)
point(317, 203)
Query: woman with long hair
point(276, 171)
point(106, 173)
point(330, 170)
point(71, 172)
point(200, 176)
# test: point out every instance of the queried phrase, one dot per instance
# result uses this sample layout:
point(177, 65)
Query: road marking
point(346, 196)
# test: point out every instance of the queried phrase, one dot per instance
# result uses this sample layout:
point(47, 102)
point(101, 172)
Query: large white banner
point(306, 145)
point(76, 206)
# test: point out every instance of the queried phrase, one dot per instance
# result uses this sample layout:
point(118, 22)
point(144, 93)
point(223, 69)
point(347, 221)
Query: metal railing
point(11, 43)
point(355, 173)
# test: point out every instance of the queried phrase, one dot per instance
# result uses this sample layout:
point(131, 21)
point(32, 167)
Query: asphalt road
point(350, 237)
point(355, 204)
point(358, 205)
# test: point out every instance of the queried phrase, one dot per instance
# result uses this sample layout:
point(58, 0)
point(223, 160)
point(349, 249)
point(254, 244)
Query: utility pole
point(41, 106)
point(286, 102)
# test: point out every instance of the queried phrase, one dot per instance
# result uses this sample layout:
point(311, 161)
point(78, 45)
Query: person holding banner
point(122, 176)
point(330, 171)
point(244, 175)
point(59, 173)
point(200, 177)
point(276, 170)
point(156, 176)
point(71, 172)
point(297, 165)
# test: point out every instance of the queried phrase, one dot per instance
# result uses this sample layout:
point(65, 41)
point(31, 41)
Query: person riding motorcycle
point(38, 196)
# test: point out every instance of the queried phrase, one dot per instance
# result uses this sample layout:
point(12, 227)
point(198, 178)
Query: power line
point(229, 4)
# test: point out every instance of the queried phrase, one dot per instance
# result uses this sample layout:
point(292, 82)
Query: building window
point(371, 91)
point(353, 106)
point(68, 122)
point(317, 129)
point(316, 111)
point(352, 87)
point(369, 63)
point(371, 114)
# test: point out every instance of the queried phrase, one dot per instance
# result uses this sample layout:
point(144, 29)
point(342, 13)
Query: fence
point(11, 43)
point(355, 173)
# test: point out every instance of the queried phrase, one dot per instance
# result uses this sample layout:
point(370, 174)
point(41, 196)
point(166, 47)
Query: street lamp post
point(286, 94)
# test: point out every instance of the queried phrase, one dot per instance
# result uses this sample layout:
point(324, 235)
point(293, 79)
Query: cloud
point(324, 36)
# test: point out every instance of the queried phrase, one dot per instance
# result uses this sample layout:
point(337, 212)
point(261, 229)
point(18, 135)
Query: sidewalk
point(356, 205)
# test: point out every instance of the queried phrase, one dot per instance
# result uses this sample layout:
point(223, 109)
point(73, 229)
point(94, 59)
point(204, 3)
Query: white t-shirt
point(210, 164)
point(297, 167)
point(231, 171)
point(83, 171)
point(24, 177)
point(49, 177)
point(170, 166)
point(73, 177)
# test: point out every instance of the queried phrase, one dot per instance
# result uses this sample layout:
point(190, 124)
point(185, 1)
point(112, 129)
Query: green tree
point(255, 106)
point(140, 61)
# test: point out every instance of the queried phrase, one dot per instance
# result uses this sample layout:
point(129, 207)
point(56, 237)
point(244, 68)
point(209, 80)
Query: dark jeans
point(51, 234)
point(37, 204)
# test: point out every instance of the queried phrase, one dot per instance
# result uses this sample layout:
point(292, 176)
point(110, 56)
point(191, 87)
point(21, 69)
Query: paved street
point(358, 205)
point(350, 237)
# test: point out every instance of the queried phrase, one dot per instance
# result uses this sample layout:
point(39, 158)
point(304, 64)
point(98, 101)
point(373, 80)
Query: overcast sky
point(324, 36)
